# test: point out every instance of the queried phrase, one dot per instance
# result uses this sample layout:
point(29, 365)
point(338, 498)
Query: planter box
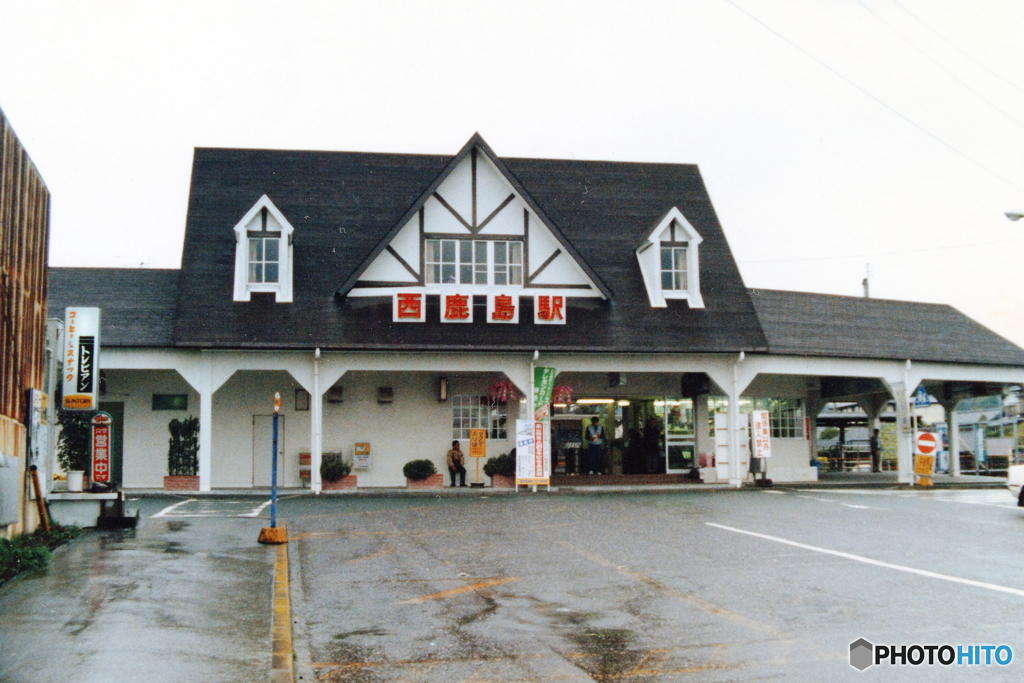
point(503, 481)
point(348, 482)
point(181, 483)
point(434, 481)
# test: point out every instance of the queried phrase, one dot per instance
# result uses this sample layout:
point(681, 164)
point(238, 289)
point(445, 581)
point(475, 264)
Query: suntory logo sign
point(81, 358)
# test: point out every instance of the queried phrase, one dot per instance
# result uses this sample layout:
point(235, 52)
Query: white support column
point(205, 389)
point(703, 442)
point(316, 416)
point(953, 432)
point(873, 406)
point(904, 432)
point(736, 476)
point(814, 405)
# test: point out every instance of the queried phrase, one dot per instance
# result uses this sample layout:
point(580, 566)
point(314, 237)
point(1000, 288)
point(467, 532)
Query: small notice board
point(361, 456)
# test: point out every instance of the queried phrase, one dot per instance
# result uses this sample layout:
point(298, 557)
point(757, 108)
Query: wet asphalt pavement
point(182, 598)
point(651, 587)
point(639, 587)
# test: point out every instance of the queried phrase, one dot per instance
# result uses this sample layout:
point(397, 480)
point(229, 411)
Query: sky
point(838, 139)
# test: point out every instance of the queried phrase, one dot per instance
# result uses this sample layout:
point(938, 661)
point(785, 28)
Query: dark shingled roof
point(343, 204)
point(800, 323)
point(138, 304)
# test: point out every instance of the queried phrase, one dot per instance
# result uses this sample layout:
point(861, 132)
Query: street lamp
point(1014, 216)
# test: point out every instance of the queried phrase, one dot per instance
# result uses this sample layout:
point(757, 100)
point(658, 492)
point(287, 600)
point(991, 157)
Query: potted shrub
point(74, 450)
point(183, 455)
point(421, 474)
point(335, 473)
point(502, 471)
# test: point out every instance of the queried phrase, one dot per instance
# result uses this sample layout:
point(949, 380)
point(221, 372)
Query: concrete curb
point(281, 658)
point(448, 492)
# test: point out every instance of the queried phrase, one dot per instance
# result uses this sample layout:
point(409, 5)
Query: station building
point(402, 299)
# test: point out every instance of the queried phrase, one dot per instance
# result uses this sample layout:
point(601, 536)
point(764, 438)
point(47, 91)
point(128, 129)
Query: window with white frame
point(786, 416)
point(508, 263)
point(263, 253)
point(669, 263)
point(479, 412)
point(264, 258)
point(673, 268)
point(473, 262)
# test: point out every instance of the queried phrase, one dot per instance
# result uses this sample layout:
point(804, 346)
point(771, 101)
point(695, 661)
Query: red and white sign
point(927, 443)
point(761, 434)
point(503, 308)
point(549, 309)
point(456, 308)
point(409, 307)
point(101, 445)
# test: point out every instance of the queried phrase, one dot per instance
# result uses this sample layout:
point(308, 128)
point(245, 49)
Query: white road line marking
point(877, 563)
point(255, 511)
point(780, 493)
point(171, 508)
point(855, 507)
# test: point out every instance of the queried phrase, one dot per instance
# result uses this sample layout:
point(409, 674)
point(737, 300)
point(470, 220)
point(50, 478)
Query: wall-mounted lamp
point(385, 395)
point(442, 389)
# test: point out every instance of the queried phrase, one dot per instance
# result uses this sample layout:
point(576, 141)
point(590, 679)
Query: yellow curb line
point(281, 621)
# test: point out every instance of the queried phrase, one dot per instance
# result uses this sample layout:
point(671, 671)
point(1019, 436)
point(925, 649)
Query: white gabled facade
point(475, 234)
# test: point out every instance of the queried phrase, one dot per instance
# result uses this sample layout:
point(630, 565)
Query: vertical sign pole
point(272, 534)
point(273, 465)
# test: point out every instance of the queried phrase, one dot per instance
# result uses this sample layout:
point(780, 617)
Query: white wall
point(416, 425)
point(145, 430)
point(790, 461)
point(249, 393)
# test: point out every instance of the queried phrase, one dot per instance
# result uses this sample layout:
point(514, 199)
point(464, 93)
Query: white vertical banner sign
point(81, 354)
point(524, 449)
point(762, 435)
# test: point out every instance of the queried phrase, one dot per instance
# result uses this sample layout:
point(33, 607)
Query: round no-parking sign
point(927, 443)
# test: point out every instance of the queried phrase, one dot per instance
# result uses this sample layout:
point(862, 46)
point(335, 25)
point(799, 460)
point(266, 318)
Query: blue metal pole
point(273, 478)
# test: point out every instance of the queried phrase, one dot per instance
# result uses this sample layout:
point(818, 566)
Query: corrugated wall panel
point(24, 227)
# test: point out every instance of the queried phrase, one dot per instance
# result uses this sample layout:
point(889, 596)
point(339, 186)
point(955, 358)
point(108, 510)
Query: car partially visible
point(1014, 480)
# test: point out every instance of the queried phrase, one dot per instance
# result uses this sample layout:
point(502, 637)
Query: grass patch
point(31, 552)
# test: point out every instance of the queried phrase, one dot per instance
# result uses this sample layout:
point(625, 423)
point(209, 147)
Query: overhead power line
point(958, 49)
point(885, 253)
point(882, 102)
point(940, 66)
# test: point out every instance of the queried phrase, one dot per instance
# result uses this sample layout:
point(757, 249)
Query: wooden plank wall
point(24, 233)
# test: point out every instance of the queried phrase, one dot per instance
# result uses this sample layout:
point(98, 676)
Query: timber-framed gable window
point(508, 263)
point(669, 262)
point(473, 262)
point(263, 253)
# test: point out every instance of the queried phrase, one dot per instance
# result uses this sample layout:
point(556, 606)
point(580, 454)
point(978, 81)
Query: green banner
point(543, 383)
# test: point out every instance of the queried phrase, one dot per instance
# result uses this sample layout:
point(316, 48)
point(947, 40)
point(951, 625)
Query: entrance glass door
point(680, 449)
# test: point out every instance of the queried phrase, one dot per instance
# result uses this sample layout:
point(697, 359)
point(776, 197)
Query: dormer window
point(264, 258)
point(673, 268)
point(668, 261)
point(263, 253)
